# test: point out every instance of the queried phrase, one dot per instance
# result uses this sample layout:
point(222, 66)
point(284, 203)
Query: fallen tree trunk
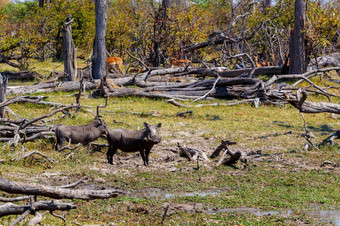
point(51, 87)
point(55, 192)
point(12, 209)
point(22, 75)
point(312, 107)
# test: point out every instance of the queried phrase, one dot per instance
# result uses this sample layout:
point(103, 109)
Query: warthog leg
point(110, 152)
point(89, 147)
point(142, 153)
point(147, 152)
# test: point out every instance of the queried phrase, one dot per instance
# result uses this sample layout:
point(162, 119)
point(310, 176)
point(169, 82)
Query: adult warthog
point(83, 134)
point(133, 140)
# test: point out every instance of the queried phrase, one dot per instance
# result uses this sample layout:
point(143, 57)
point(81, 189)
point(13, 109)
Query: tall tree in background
point(70, 59)
point(160, 32)
point(297, 46)
point(99, 45)
point(41, 3)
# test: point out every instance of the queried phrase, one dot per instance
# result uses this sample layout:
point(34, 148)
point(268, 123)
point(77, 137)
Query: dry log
point(55, 192)
point(172, 101)
point(331, 139)
point(22, 75)
point(15, 199)
point(234, 156)
point(12, 209)
point(193, 154)
point(312, 107)
point(51, 87)
point(221, 147)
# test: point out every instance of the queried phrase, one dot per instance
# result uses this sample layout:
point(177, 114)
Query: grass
point(287, 178)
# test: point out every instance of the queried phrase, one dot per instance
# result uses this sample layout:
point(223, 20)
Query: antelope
point(261, 64)
point(113, 61)
point(178, 63)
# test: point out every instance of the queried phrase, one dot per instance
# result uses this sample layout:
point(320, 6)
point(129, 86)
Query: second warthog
point(133, 140)
point(83, 134)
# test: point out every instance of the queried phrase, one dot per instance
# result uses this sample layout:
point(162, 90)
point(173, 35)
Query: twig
point(69, 148)
point(20, 218)
point(311, 143)
point(212, 89)
point(164, 214)
point(102, 106)
point(47, 115)
point(184, 113)
point(58, 216)
point(32, 153)
point(172, 101)
point(74, 184)
point(140, 61)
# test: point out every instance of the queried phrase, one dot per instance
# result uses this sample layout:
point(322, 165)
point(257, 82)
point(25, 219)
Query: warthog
point(133, 140)
point(83, 134)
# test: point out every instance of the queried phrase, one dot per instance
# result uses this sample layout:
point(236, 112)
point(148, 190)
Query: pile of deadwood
point(179, 86)
point(191, 84)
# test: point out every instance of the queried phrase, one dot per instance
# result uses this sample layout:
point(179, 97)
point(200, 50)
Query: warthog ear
point(159, 125)
point(146, 125)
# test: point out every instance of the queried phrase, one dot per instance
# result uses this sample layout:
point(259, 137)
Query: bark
point(297, 47)
point(41, 3)
point(51, 87)
point(160, 33)
point(70, 59)
point(55, 192)
point(312, 107)
point(99, 46)
point(12, 209)
point(3, 87)
point(22, 75)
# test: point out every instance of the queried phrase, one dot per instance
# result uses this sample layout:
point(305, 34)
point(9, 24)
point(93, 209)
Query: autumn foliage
point(29, 31)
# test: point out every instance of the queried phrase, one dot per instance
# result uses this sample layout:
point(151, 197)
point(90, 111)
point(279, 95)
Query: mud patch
point(155, 193)
point(320, 216)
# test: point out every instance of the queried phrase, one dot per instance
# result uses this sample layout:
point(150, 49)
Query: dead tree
point(3, 88)
point(34, 190)
point(70, 59)
point(99, 45)
point(160, 30)
point(298, 56)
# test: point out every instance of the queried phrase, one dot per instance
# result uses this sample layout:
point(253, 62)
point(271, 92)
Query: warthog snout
point(154, 139)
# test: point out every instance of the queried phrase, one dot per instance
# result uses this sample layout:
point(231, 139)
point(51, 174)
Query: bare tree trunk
point(3, 87)
point(159, 33)
point(70, 60)
point(99, 46)
point(297, 47)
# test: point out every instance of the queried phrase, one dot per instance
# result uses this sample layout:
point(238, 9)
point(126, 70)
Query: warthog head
point(101, 125)
point(152, 133)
